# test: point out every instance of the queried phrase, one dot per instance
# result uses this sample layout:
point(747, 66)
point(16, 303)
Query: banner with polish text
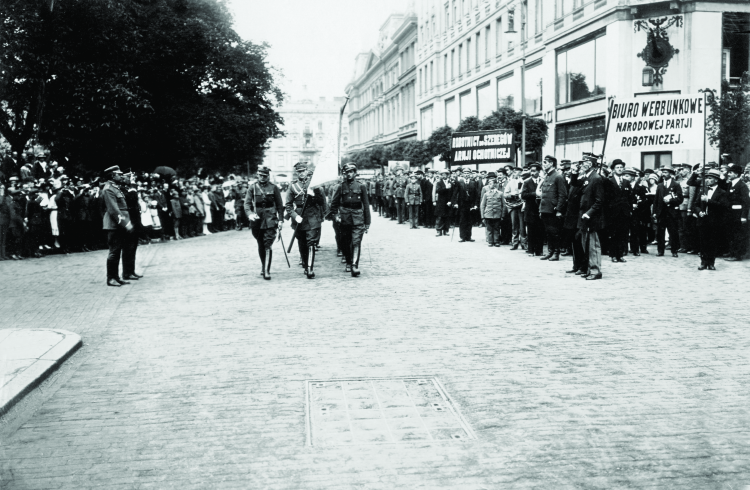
point(472, 147)
point(666, 123)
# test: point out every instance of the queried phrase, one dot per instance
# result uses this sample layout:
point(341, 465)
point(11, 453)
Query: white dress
point(207, 207)
point(53, 215)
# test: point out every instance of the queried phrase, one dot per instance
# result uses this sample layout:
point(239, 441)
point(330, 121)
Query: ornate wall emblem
point(658, 51)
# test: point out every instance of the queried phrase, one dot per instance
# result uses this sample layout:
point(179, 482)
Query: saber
point(284, 249)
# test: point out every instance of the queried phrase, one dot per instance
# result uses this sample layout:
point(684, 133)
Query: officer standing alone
point(351, 208)
point(265, 208)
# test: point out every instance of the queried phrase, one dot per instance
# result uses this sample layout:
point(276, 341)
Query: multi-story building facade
point(383, 90)
point(576, 54)
point(311, 128)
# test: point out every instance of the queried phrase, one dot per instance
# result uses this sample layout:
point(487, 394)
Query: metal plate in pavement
point(382, 411)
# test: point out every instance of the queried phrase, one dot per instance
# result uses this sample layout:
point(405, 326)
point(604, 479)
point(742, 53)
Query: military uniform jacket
point(413, 194)
point(351, 203)
point(672, 208)
point(312, 217)
point(592, 203)
point(116, 215)
point(388, 188)
point(265, 200)
point(399, 185)
point(740, 201)
point(492, 206)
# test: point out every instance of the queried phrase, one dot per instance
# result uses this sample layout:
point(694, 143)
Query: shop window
point(571, 140)
point(533, 89)
point(655, 160)
point(506, 91)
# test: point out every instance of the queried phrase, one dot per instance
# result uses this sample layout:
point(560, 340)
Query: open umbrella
point(165, 171)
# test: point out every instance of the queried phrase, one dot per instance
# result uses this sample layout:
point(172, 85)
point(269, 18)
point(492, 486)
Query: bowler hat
point(616, 162)
point(491, 175)
point(733, 167)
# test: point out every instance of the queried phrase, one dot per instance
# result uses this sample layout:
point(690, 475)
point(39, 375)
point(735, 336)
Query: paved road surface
point(195, 376)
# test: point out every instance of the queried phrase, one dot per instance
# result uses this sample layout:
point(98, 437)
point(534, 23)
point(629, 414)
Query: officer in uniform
point(399, 186)
point(116, 223)
point(265, 209)
point(352, 210)
point(306, 207)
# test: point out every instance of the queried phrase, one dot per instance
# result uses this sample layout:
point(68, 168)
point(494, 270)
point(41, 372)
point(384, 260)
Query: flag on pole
point(326, 168)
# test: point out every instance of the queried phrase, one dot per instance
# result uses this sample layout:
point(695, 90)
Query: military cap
point(351, 166)
point(630, 171)
point(733, 167)
point(551, 159)
point(113, 169)
point(616, 162)
point(535, 165)
point(491, 175)
point(264, 171)
point(713, 173)
point(712, 165)
point(300, 166)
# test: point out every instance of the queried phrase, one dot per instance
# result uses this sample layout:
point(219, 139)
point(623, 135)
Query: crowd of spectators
point(43, 210)
point(498, 199)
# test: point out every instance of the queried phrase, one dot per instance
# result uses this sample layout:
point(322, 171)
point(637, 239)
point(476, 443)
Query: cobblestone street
point(195, 376)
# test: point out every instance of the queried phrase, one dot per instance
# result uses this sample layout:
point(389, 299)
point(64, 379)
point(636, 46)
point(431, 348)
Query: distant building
point(383, 90)
point(577, 54)
point(311, 128)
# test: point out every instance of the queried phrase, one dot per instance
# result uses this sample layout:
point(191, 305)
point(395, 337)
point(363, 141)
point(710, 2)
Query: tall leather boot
point(355, 261)
point(555, 256)
point(267, 263)
point(262, 254)
point(310, 269)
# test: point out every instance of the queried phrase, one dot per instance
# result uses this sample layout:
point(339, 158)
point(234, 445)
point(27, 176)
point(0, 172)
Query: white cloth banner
point(665, 123)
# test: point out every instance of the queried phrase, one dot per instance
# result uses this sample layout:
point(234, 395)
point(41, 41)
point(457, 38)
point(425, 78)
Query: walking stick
point(284, 249)
point(453, 231)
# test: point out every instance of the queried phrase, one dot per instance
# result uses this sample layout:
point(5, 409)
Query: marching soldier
point(116, 223)
point(265, 209)
point(710, 211)
point(351, 208)
point(306, 208)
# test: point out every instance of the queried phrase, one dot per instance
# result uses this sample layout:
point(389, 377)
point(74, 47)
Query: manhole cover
point(381, 411)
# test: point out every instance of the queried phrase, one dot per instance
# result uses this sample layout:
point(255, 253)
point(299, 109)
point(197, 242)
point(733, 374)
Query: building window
point(445, 68)
point(506, 91)
point(426, 122)
point(533, 89)
point(451, 112)
point(580, 71)
point(656, 160)
point(571, 140)
point(498, 36)
point(453, 64)
point(460, 59)
point(511, 21)
point(477, 48)
point(538, 17)
point(466, 105)
point(487, 43)
point(447, 17)
point(484, 101)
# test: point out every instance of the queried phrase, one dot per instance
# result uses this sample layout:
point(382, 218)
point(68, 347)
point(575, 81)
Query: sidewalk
point(27, 357)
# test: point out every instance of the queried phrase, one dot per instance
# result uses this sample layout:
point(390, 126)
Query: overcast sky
point(314, 42)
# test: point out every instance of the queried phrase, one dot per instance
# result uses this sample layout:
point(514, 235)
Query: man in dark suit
point(738, 214)
point(466, 199)
point(667, 211)
point(427, 210)
point(709, 211)
point(552, 206)
point(591, 218)
point(41, 169)
point(620, 208)
point(531, 195)
point(443, 193)
point(570, 224)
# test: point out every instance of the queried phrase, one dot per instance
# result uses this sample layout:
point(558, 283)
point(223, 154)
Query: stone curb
point(44, 365)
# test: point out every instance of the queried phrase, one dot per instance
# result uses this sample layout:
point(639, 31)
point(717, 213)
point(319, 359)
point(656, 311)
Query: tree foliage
point(471, 123)
point(728, 121)
point(135, 82)
point(507, 118)
point(439, 143)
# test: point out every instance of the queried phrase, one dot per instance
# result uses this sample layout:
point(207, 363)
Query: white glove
point(298, 219)
point(310, 192)
point(253, 217)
